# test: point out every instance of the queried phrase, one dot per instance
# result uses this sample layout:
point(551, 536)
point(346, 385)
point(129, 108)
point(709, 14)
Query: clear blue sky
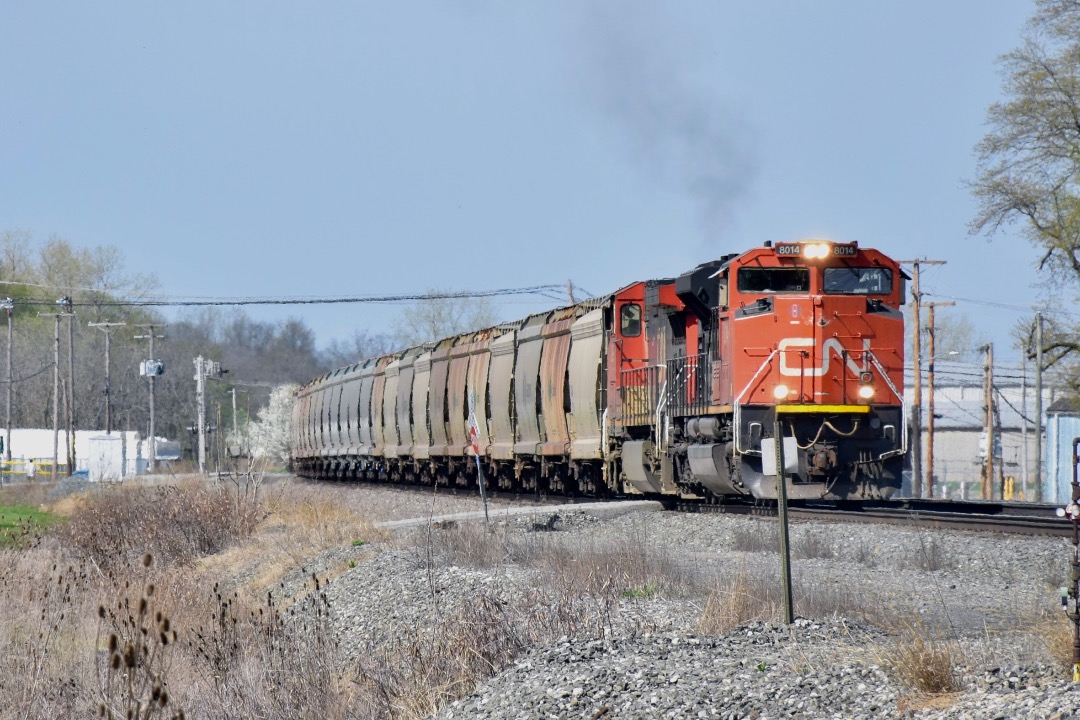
point(342, 148)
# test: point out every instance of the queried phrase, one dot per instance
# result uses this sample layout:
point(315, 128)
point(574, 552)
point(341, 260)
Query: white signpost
point(474, 440)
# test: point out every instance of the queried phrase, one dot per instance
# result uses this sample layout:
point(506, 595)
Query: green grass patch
point(644, 592)
point(19, 521)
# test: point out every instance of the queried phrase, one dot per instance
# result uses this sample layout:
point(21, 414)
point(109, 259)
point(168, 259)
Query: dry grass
point(748, 594)
point(812, 544)
point(114, 527)
point(33, 494)
point(1055, 634)
point(90, 630)
point(417, 676)
point(628, 567)
point(740, 598)
point(756, 537)
point(764, 537)
point(220, 642)
point(300, 522)
point(576, 591)
point(922, 659)
point(929, 555)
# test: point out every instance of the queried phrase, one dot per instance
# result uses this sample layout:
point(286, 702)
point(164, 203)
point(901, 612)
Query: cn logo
point(791, 364)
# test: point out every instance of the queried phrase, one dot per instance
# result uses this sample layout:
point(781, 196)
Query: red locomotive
point(667, 387)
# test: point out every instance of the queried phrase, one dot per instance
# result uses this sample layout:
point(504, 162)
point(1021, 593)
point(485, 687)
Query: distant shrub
point(177, 524)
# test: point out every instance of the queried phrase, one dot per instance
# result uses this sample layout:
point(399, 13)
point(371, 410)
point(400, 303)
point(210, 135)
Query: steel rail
point(1012, 518)
point(977, 516)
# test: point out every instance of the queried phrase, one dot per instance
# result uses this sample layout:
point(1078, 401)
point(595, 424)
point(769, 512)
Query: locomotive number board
point(796, 250)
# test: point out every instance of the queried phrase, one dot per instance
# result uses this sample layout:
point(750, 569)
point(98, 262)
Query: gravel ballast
point(988, 597)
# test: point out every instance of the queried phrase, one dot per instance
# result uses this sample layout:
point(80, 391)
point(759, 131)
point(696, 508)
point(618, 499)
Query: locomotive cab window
point(858, 281)
point(773, 280)
point(630, 320)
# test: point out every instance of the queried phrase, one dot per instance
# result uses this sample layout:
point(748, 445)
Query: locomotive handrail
point(660, 404)
point(738, 405)
point(903, 410)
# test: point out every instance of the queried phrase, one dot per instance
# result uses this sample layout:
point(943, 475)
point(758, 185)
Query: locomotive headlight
point(816, 251)
point(780, 392)
point(866, 391)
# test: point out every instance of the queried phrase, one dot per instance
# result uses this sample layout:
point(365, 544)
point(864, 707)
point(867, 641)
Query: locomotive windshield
point(858, 280)
point(773, 280)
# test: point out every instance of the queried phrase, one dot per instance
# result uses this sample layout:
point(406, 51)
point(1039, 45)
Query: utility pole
point(916, 405)
point(1025, 463)
point(56, 399)
point(988, 421)
point(204, 369)
point(570, 291)
point(71, 385)
point(107, 327)
point(235, 437)
point(930, 399)
point(1037, 496)
point(56, 385)
point(9, 305)
point(216, 429)
point(200, 409)
point(151, 368)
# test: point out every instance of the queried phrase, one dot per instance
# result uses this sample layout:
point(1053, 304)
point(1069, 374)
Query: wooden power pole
point(916, 403)
point(63, 302)
point(151, 368)
point(107, 327)
point(9, 305)
point(1037, 497)
point(930, 398)
point(71, 385)
point(988, 421)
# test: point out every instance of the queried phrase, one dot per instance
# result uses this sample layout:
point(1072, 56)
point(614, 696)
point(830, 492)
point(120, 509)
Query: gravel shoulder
point(648, 652)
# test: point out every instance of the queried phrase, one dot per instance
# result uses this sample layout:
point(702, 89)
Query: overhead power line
point(360, 299)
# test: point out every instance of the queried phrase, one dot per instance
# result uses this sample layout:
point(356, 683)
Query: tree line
point(259, 355)
point(36, 275)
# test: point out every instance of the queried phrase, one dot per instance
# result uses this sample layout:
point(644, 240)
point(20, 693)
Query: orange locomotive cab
point(809, 334)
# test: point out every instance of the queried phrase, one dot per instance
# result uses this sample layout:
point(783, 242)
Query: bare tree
point(953, 333)
point(437, 317)
point(358, 346)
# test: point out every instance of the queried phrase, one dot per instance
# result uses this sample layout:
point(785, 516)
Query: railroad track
point(1016, 518)
point(976, 516)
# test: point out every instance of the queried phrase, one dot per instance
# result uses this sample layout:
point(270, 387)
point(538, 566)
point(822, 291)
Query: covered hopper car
point(665, 387)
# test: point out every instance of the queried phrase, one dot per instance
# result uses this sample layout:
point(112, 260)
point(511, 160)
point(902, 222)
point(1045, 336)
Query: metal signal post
point(782, 512)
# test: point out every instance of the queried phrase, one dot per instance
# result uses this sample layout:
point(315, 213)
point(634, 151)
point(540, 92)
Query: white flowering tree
point(268, 436)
